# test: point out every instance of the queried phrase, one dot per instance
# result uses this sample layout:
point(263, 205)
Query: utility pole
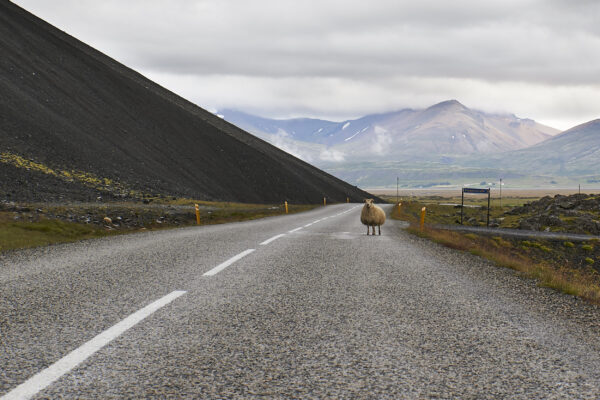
point(501, 193)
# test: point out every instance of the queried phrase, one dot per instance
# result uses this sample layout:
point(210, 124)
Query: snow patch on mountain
point(345, 140)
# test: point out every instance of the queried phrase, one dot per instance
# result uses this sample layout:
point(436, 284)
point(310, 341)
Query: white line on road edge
point(44, 378)
point(272, 239)
point(294, 230)
point(307, 225)
point(227, 263)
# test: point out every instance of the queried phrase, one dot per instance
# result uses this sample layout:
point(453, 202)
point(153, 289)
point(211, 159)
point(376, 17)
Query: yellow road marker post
point(399, 205)
point(422, 217)
point(286, 207)
point(197, 207)
point(324, 201)
point(347, 199)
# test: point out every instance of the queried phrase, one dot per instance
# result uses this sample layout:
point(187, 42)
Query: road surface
point(298, 306)
point(520, 233)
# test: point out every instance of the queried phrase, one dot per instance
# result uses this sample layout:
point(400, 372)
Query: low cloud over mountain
point(447, 129)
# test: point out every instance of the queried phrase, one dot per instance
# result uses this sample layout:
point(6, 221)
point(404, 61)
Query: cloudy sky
point(340, 59)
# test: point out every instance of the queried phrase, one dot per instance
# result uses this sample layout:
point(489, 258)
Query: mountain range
point(447, 129)
point(446, 144)
point(78, 125)
point(574, 152)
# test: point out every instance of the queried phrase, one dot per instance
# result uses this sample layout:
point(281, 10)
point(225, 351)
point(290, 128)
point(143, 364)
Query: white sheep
point(372, 215)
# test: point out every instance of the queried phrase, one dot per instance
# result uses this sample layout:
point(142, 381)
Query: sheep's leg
point(378, 226)
point(368, 228)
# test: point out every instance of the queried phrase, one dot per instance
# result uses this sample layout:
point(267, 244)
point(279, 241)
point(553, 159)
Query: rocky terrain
point(578, 213)
point(124, 216)
point(112, 216)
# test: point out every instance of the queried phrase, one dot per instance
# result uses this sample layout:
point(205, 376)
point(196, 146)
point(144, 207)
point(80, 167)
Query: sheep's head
point(369, 203)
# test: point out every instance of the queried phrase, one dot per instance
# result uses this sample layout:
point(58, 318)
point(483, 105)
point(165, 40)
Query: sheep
point(372, 215)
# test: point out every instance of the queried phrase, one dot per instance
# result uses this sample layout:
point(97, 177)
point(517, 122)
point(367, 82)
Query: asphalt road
point(520, 233)
point(323, 311)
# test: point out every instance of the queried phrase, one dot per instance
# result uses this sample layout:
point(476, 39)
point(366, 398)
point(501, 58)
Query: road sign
point(472, 190)
point(478, 191)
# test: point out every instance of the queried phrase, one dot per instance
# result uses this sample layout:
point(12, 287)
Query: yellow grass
point(576, 282)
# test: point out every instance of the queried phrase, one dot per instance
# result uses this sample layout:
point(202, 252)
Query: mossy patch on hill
point(86, 178)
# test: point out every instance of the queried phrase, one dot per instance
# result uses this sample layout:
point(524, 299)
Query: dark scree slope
point(69, 106)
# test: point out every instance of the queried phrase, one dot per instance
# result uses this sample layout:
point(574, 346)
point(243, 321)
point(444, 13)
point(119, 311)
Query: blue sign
point(472, 190)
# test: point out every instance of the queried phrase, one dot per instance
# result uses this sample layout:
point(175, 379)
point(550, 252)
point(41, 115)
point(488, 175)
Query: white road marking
point(307, 225)
point(227, 263)
point(44, 378)
point(272, 239)
point(294, 230)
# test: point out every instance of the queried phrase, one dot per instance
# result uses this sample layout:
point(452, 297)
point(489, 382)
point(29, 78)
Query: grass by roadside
point(446, 210)
point(563, 266)
point(577, 213)
point(19, 234)
point(33, 225)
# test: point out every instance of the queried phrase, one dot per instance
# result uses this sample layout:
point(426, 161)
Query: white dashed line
point(307, 225)
point(44, 378)
point(227, 263)
point(272, 239)
point(294, 230)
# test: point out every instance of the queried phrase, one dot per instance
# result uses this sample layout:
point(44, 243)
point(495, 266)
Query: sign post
point(477, 191)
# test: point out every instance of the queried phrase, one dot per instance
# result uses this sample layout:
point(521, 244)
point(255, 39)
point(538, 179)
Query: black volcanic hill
point(67, 107)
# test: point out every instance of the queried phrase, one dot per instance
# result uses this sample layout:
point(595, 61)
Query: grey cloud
point(463, 46)
point(493, 41)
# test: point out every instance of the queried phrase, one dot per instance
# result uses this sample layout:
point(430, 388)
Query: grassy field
point(32, 225)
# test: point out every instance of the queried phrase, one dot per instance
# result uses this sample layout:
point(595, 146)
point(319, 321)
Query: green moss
point(85, 178)
point(17, 235)
point(568, 244)
point(589, 260)
point(587, 247)
point(471, 236)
